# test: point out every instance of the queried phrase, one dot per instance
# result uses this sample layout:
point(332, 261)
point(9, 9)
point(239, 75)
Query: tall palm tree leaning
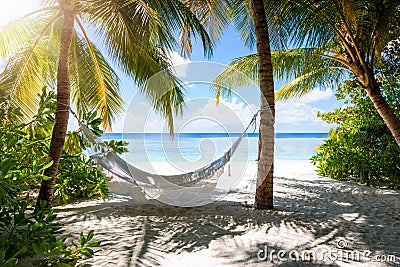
point(137, 35)
point(353, 33)
point(336, 37)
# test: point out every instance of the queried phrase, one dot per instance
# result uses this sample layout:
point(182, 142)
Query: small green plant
point(78, 179)
point(8, 261)
point(56, 253)
point(23, 231)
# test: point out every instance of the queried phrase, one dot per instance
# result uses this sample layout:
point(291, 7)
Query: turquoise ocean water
point(209, 146)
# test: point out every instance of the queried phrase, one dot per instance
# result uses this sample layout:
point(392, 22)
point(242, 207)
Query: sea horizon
point(190, 146)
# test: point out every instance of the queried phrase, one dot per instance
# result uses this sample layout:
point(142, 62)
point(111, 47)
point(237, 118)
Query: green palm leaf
point(20, 33)
point(29, 64)
point(302, 69)
point(95, 85)
point(137, 36)
point(214, 15)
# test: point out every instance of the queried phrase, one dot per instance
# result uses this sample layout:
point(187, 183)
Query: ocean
point(205, 147)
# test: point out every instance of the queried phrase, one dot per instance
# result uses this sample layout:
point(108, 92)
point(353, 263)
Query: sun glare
point(12, 9)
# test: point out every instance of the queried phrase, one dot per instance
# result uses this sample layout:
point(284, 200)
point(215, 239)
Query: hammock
point(114, 166)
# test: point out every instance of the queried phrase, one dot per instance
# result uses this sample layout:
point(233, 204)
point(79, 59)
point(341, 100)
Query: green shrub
point(22, 162)
point(77, 180)
point(23, 157)
point(32, 236)
point(361, 147)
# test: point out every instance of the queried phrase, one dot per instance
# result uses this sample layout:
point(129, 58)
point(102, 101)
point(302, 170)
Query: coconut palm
point(338, 38)
point(54, 43)
point(355, 34)
point(264, 189)
point(256, 24)
point(253, 21)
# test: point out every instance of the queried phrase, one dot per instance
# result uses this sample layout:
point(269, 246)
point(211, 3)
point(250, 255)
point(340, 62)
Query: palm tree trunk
point(62, 111)
point(384, 110)
point(368, 81)
point(264, 191)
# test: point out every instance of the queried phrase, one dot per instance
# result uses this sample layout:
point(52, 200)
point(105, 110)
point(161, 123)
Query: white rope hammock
point(138, 181)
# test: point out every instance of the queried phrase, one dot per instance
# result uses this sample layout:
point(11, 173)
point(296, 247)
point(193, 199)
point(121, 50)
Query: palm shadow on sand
point(309, 215)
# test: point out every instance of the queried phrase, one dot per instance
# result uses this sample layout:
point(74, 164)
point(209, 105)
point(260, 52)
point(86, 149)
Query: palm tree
point(253, 20)
point(337, 38)
point(264, 191)
point(53, 43)
point(357, 31)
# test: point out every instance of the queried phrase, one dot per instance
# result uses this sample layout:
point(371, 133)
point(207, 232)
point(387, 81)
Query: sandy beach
point(316, 222)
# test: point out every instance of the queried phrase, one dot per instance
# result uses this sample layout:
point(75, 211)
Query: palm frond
point(241, 72)
point(170, 105)
point(137, 35)
point(167, 95)
point(213, 14)
point(307, 82)
point(359, 28)
point(177, 15)
point(23, 78)
point(141, 52)
point(95, 85)
point(297, 62)
point(28, 67)
point(126, 36)
point(19, 34)
point(48, 2)
point(311, 23)
point(242, 21)
point(301, 69)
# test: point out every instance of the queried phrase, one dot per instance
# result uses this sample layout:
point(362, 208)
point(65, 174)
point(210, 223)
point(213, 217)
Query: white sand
point(311, 213)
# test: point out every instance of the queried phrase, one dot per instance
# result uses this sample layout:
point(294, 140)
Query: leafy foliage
point(324, 36)
point(300, 68)
point(32, 237)
point(135, 36)
point(23, 158)
point(361, 148)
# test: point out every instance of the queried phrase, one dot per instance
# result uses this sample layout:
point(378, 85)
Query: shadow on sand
point(309, 215)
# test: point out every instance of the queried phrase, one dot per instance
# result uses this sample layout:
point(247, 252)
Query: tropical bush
point(33, 235)
point(23, 155)
point(361, 147)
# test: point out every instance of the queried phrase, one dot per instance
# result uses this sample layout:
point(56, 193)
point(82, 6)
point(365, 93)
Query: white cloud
point(317, 95)
point(232, 115)
point(288, 113)
point(179, 63)
point(200, 115)
point(301, 115)
point(298, 117)
point(177, 59)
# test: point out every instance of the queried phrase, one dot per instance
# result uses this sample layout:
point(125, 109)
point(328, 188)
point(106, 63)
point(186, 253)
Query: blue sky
point(291, 116)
